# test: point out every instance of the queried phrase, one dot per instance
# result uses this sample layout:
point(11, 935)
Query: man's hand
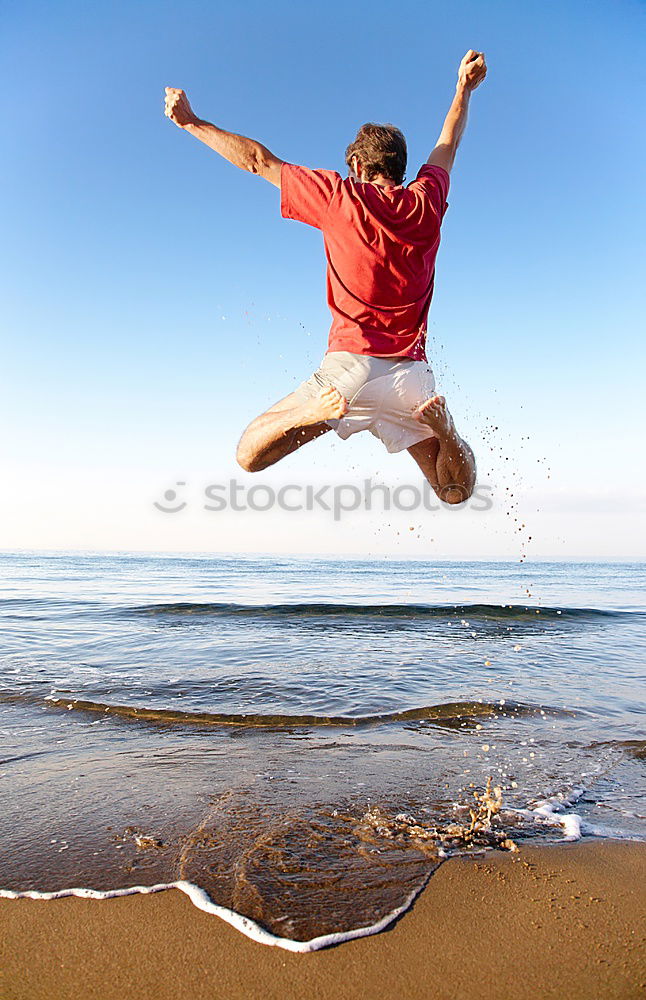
point(473, 70)
point(471, 73)
point(177, 108)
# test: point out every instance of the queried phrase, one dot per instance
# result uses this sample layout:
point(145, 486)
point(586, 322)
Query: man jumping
point(381, 241)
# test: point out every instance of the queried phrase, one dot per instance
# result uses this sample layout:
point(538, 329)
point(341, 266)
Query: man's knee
point(246, 458)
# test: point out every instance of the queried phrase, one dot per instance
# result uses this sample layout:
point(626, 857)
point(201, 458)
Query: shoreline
point(244, 925)
point(553, 919)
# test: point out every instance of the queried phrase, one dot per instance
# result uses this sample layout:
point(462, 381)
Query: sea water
point(298, 741)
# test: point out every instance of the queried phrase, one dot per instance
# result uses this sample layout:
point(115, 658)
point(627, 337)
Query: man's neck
point(380, 181)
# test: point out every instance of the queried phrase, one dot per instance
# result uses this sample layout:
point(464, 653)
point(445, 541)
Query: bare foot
point(434, 413)
point(328, 405)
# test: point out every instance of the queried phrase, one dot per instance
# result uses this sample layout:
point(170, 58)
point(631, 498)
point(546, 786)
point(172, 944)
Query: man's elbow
point(266, 165)
point(255, 162)
point(259, 161)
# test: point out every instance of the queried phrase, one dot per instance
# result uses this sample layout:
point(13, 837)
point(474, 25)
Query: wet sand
point(548, 922)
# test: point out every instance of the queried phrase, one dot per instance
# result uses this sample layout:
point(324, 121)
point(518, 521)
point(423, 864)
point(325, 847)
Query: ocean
point(299, 743)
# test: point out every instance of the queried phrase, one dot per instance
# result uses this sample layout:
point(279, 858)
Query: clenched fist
point(177, 108)
point(473, 69)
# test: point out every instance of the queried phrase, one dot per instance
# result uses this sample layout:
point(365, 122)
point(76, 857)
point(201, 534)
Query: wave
point(374, 826)
point(633, 748)
point(493, 612)
point(249, 927)
point(447, 714)
point(550, 814)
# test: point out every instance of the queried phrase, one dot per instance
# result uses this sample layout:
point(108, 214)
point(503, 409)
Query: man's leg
point(446, 460)
point(288, 425)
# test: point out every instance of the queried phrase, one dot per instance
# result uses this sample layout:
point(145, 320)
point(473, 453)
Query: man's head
point(378, 151)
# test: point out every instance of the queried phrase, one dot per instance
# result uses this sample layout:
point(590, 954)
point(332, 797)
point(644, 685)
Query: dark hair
point(380, 149)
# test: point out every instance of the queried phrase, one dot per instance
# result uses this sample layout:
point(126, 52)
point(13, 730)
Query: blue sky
point(154, 301)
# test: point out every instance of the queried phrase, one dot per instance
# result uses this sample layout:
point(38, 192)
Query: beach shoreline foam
point(250, 928)
point(471, 840)
point(551, 920)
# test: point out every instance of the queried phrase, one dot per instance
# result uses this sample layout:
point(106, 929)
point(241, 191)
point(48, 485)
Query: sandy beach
point(549, 921)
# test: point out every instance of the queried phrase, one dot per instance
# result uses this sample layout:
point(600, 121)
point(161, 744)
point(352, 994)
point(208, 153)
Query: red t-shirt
point(380, 245)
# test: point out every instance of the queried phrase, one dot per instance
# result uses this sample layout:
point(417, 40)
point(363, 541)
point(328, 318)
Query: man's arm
point(244, 153)
point(471, 73)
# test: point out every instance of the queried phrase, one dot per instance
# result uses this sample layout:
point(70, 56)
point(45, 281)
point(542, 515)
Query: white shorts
point(381, 393)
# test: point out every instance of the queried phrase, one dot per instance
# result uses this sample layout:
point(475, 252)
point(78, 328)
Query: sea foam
point(249, 927)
